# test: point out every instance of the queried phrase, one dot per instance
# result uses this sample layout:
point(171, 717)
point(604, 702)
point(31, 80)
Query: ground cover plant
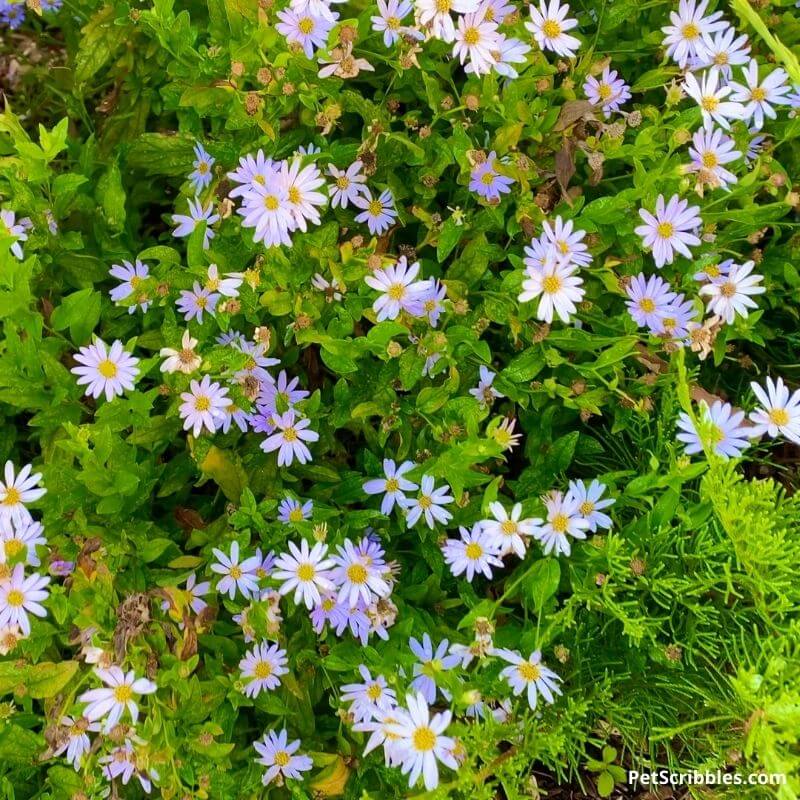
point(398, 399)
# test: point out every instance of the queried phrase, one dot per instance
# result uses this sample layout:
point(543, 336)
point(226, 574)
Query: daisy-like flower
point(779, 412)
point(723, 51)
point(75, 742)
point(120, 692)
point(380, 733)
point(252, 171)
point(711, 149)
point(343, 64)
point(476, 42)
point(305, 572)
point(123, 763)
point(422, 741)
point(711, 272)
point(280, 757)
point(21, 537)
point(281, 395)
point(529, 674)
point(549, 26)
point(358, 577)
point(609, 92)
point(475, 552)
point(184, 360)
point(754, 147)
point(432, 661)
point(302, 196)
point(332, 289)
point(430, 504)
point(132, 277)
point(484, 392)
point(236, 575)
point(558, 287)
point(721, 425)
point(676, 320)
point(103, 370)
point(563, 520)
point(196, 302)
point(509, 51)
point(370, 699)
point(307, 30)
point(487, 182)
point(203, 406)
point(16, 490)
point(390, 19)
point(710, 95)
point(291, 510)
point(506, 530)
point(591, 504)
point(347, 183)
point(758, 97)
point(732, 294)
point(289, 440)
point(379, 213)
point(393, 485)
point(195, 592)
point(436, 15)
point(399, 287)
point(197, 213)
point(504, 434)
point(568, 243)
point(203, 161)
point(10, 228)
point(670, 230)
point(265, 207)
point(649, 298)
point(432, 301)
point(20, 596)
point(687, 37)
point(262, 668)
point(228, 285)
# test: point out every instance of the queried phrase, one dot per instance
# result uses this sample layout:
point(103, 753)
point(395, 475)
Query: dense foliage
point(428, 342)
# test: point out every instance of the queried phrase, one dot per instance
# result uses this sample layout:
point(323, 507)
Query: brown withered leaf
point(571, 112)
point(188, 519)
point(189, 647)
point(85, 561)
point(565, 168)
point(133, 615)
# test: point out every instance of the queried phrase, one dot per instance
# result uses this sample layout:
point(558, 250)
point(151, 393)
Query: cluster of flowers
point(12, 12)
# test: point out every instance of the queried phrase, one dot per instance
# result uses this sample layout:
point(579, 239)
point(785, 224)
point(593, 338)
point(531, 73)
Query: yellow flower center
point(374, 692)
point(728, 289)
point(342, 182)
point(135, 282)
point(306, 25)
point(356, 573)
point(586, 508)
point(779, 416)
point(260, 179)
point(443, 6)
point(202, 403)
point(201, 301)
point(709, 103)
point(107, 368)
point(282, 758)
point(712, 270)
point(15, 598)
point(758, 94)
point(529, 672)
point(12, 497)
point(236, 572)
point(375, 207)
point(263, 670)
point(551, 284)
point(665, 230)
point(473, 551)
point(717, 434)
point(709, 160)
point(424, 739)
point(551, 29)
point(605, 91)
point(560, 522)
point(690, 31)
point(472, 36)
point(294, 195)
point(271, 202)
point(392, 485)
point(396, 291)
point(123, 693)
point(212, 284)
point(721, 59)
point(669, 323)
point(425, 502)
point(393, 23)
point(306, 572)
point(13, 546)
point(290, 435)
point(202, 167)
point(328, 604)
point(488, 178)
point(296, 515)
point(647, 305)
point(509, 527)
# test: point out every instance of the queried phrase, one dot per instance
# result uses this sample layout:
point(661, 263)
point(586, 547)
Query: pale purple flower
point(20, 596)
point(203, 161)
point(280, 757)
point(710, 95)
point(509, 51)
point(487, 182)
point(475, 552)
point(203, 406)
point(17, 489)
point(10, 228)
point(306, 572)
point(378, 213)
point(132, 277)
point(348, 184)
point(687, 37)
point(476, 43)
point(758, 97)
point(676, 319)
point(529, 675)
point(307, 30)
point(721, 425)
point(779, 412)
point(649, 297)
point(671, 229)
point(291, 510)
point(711, 149)
point(393, 485)
point(236, 575)
point(732, 294)
point(390, 19)
point(563, 520)
point(252, 171)
point(432, 661)
point(549, 26)
point(197, 213)
point(105, 370)
point(428, 504)
point(723, 51)
point(289, 440)
point(591, 503)
point(110, 702)
point(400, 291)
point(609, 92)
point(484, 392)
point(195, 302)
point(262, 667)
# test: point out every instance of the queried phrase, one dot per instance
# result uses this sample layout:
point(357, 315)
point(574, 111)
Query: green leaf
point(542, 581)
point(605, 784)
point(449, 237)
point(80, 312)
